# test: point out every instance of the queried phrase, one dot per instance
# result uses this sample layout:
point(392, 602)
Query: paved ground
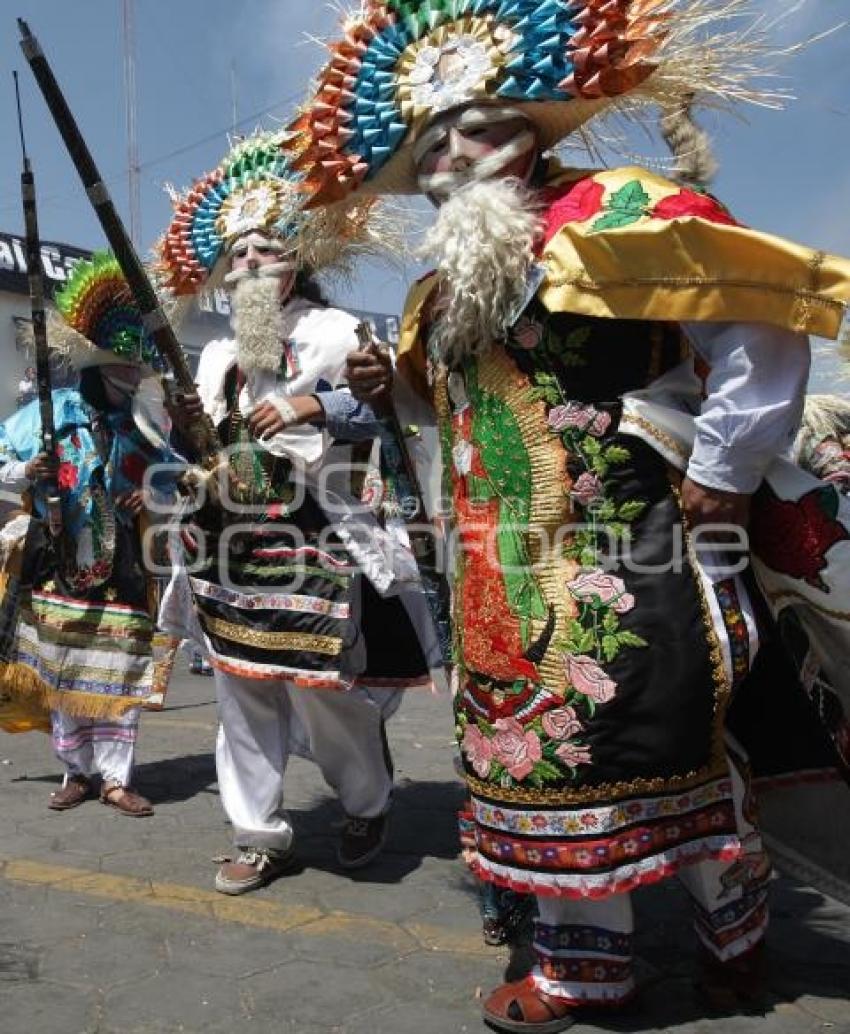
point(109, 925)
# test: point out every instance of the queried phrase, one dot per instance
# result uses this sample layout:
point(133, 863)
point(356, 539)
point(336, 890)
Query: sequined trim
point(664, 439)
point(270, 601)
point(326, 644)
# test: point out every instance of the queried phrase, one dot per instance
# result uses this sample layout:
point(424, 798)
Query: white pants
point(584, 947)
point(262, 723)
point(93, 746)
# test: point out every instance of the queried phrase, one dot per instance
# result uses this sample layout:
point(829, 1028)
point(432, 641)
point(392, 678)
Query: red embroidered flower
point(68, 475)
point(793, 536)
point(689, 202)
point(133, 467)
point(581, 201)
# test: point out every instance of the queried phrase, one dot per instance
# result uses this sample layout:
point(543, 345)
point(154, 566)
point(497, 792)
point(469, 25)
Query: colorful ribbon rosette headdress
point(561, 62)
point(257, 189)
point(100, 322)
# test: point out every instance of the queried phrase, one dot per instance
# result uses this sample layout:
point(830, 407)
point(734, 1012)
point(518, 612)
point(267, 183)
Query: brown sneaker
point(126, 800)
point(76, 790)
point(253, 868)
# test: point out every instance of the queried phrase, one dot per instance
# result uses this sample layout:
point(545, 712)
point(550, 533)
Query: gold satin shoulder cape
point(629, 244)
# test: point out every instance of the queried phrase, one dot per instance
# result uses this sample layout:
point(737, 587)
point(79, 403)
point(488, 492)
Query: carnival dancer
point(79, 612)
point(595, 647)
point(280, 608)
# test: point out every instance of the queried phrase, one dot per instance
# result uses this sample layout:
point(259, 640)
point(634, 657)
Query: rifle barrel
point(35, 278)
point(154, 318)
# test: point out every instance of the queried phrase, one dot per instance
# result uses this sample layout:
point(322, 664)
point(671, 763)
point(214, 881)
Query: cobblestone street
point(111, 925)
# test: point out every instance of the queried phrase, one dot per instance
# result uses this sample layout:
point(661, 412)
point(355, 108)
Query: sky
point(785, 172)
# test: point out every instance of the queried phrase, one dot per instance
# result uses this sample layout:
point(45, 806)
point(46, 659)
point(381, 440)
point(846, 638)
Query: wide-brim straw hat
point(399, 63)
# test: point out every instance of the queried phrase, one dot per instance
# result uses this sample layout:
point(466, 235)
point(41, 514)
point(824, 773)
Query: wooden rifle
point(202, 433)
point(35, 276)
point(399, 463)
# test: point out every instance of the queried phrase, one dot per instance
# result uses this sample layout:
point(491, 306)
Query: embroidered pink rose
point(515, 748)
point(609, 590)
point(561, 723)
point(600, 423)
point(478, 750)
point(585, 418)
point(587, 489)
point(589, 679)
point(562, 417)
point(527, 333)
point(573, 754)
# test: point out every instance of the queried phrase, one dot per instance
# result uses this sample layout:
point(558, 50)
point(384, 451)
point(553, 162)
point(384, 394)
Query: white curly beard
point(483, 243)
point(257, 323)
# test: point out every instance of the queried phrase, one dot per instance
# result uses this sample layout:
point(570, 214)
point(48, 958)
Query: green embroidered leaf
point(630, 639)
point(547, 771)
point(587, 557)
point(617, 454)
point(610, 623)
point(591, 446)
point(631, 510)
point(629, 197)
point(610, 647)
point(587, 642)
point(578, 641)
point(606, 510)
point(615, 220)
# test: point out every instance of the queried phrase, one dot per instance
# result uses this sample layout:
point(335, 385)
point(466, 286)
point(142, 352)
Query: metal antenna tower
point(133, 169)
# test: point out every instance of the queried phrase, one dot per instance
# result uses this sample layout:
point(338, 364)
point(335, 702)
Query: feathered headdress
point(256, 188)
point(100, 322)
point(561, 62)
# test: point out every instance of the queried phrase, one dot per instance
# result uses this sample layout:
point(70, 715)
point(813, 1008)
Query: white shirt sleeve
point(13, 476)
point(755, 395)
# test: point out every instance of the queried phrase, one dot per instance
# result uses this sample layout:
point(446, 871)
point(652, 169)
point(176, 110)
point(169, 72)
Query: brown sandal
point(76, 790)
point(128, 802)
point(521, 1008)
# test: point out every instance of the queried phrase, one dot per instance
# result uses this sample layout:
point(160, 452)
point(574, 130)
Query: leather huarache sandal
point(521, 1008)
point(126, 800)
point(76, 790)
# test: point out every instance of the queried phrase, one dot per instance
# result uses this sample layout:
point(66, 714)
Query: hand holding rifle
point(42, 467)
point(370, 375)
